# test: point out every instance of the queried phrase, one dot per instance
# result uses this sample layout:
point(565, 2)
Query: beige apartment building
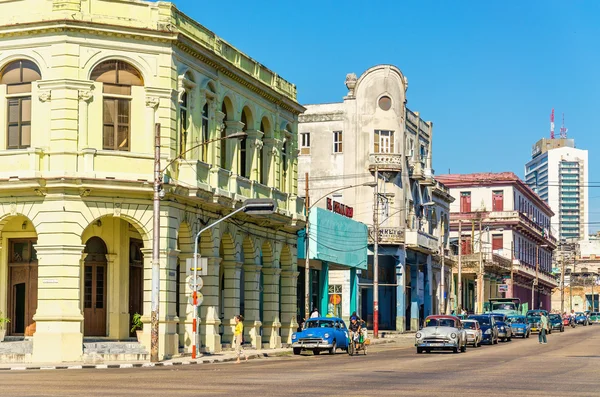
point(83, 84)
point(342, 145)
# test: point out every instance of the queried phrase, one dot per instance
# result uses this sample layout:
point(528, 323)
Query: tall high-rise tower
point(558, 173)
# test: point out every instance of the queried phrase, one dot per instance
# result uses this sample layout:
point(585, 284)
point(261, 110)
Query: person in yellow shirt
point(238, 337)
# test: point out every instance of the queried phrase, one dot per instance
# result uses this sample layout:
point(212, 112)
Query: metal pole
point(562, 282)
point(459, 295)
point(481, 270)
point(443, 282)
point(306, 259)
point(512, 270)
point(535, 284)
point(376, 256)
point(155, 249)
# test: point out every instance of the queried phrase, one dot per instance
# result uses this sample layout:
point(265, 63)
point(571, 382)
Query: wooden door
point(23, 286)
point(94, 299)
point(136, 279)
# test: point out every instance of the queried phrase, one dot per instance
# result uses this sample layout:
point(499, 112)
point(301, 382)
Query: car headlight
point(326, 336)
point(488, 331)
point(419, 335)
point(294, 336)
point(453, 335)
point(502, 328)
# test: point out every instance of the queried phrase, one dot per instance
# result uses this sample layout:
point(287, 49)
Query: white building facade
point(558, 173)
point(343, 146)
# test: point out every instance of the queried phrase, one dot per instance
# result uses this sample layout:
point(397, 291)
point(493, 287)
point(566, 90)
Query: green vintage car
point(594, 318)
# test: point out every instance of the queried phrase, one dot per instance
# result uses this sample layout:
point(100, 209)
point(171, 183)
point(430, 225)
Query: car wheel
point(333, 348)
point(562, 329)
point(297, 351)
point(316, 352)
point(419, 350)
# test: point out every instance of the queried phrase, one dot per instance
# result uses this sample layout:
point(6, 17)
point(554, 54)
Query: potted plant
point(137, 325)
point(3, 322)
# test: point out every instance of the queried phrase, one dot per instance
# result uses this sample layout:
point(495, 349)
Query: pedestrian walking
point(238, 337)
point(543, 329)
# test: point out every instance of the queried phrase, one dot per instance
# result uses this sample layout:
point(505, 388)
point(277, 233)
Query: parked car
point(441, 333)
point(594, 318)
point(555, 322)
point(519, 325)
point(473, 330)
point(488, 326)
point(504, 329)
point(581, 318)
point(321, 334)
point(534, 323)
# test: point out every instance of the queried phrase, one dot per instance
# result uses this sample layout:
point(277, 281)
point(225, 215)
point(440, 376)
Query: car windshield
point(555, 317)
point(439, 322)
point(482, 320)
point(579, 314)
point(532, 320)
point(499, 318)
point(319, 324)
point(504, 306)
point(469, 324)
point(594, 314)
point(516, 320)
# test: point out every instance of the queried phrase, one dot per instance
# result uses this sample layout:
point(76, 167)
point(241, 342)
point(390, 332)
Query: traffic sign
point(502, 287)
point(199, 297)
point(196, 286)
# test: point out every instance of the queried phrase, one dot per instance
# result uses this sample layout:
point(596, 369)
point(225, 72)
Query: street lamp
point(308, 207)
point(158, 194)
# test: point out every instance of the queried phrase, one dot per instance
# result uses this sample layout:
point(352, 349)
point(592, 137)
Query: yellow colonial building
point(82, 85)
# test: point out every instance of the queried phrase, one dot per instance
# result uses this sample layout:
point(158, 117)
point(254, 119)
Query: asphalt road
point(569, 365)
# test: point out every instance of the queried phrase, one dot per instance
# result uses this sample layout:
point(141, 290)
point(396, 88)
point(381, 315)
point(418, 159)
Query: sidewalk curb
point(206, 360)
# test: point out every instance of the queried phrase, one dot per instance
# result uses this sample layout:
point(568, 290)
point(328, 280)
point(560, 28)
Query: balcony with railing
point(421, 241)
point(385, 162)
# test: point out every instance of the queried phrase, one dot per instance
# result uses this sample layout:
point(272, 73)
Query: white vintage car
point(441, 333)
point(473, 330)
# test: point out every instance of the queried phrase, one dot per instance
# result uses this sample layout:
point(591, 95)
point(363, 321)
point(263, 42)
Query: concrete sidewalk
point(404, 340)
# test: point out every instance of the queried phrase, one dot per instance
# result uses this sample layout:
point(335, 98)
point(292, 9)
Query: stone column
point(186, 309)
point(58, 318)
point(85, 97)
point(289, 291)
point(232, 272)
point(414, 304)
point(152, 103)
point(254, 152)
point(272, 161)
point(209, 310)
point(428, 289)
point(233, 145)
point(401, 292)
point(271, 317)
point(252, 323)
point(324, 288)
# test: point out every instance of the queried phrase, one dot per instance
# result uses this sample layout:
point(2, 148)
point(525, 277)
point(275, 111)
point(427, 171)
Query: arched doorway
point(94, 288)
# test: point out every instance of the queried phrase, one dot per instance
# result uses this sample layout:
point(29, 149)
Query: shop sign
point(340, 208)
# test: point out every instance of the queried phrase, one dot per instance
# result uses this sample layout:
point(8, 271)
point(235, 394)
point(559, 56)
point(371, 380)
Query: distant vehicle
point(581, 318)
point(441, 333)
point(594, 318)
point(520, 326)
point(321, 334)
point(508, 306)
point(555, 322)
point(537, 313)
point(488, 326)
point(473, 330)
point(504, 329)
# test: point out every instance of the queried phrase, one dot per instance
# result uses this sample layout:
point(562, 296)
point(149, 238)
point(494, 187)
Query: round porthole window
point(385, 103)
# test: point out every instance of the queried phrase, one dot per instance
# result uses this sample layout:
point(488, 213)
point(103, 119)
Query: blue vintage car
point(504, 329)
point(581, 318)
point(321, 334)
point(520, 326)
point(488, 327)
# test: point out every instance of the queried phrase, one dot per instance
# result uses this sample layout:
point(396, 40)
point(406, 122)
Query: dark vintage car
point(441, 333)
point(581, 318)
point(535, 324)
point(489, 329)
point(504, 328)
point(555, 322)
point(321, 334)
point(520, 326)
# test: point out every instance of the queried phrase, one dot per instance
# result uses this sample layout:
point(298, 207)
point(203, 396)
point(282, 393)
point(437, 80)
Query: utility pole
point(306, 259)
point(459, 295)
point(562, 280)
point(512, 270)
point(376, 256)
point(155, 248)
point(480, 291)
point(443, 281)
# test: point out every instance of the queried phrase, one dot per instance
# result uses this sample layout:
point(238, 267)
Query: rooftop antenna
point(552, 124)
point(563, 130)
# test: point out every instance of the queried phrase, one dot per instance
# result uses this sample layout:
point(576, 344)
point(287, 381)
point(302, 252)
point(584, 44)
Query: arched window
point(117, 77)
point(223, 136)
point(205, 133)
point(243, 143)
point(18, 76)
point(183, 122)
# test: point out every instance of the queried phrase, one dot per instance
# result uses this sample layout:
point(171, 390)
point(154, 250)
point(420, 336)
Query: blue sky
point(487, 73)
